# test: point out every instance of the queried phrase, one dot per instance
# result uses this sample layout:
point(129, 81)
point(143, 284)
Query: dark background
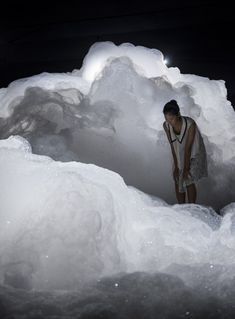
point(196, 36)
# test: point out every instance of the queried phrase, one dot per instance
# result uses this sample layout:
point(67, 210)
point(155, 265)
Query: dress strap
point(185, 129)
point(171, 139)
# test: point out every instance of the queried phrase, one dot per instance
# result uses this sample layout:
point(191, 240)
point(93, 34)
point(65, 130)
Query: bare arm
point(172, 148)
point(188, 146)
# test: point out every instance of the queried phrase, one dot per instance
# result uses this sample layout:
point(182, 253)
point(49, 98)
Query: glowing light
point(166, 61)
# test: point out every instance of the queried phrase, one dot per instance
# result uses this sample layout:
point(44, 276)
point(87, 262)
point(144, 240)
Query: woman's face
point(171, 118)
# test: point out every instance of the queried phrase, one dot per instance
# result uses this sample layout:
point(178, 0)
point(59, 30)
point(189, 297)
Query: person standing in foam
point(188, 150)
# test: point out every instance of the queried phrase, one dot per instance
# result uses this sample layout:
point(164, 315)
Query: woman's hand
point(186, 173)
point(176, 173)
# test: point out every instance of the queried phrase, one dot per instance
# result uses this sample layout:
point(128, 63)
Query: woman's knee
point(191, 187)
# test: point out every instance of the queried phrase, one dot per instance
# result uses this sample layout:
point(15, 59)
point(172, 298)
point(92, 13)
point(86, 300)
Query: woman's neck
point(179, 121)
point(177, 127)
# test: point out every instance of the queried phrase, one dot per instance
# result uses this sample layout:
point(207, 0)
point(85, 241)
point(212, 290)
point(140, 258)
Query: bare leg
point(180, 196)
point(192, 193)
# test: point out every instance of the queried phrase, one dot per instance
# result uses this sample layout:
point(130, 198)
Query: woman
point(188, 151)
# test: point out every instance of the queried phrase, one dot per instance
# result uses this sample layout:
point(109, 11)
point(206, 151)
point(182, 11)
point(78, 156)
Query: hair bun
point(171, 107)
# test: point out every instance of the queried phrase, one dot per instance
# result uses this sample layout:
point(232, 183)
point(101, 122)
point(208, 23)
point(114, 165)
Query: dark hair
point(171, 107)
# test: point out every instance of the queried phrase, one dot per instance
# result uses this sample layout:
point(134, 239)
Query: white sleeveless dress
point(198, 158)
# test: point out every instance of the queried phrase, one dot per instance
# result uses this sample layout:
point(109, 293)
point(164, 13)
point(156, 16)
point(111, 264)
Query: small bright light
point(165, 61)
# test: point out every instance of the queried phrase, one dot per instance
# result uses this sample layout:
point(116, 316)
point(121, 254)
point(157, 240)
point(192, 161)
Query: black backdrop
point(196, 36)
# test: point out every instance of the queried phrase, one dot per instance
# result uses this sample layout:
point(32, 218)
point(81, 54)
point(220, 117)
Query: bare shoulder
point(192, 127)
point(164, 125)
point(191, 122)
